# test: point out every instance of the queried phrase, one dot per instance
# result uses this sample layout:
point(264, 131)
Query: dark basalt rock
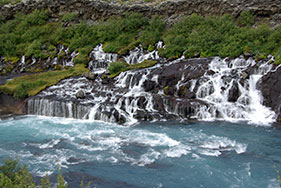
point(271, 91)
point(171, 11)
point(233, 93)
point(149, 85)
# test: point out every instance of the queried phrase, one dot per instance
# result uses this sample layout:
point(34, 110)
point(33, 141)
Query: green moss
point(30, 85)
point(13, 60)
point(166, 90)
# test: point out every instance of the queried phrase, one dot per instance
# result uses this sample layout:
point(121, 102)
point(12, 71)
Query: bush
point(152, 33)
point(69, 16)
point(109, 48)
point(116, 67)
point(246, 18)
point(14, 175)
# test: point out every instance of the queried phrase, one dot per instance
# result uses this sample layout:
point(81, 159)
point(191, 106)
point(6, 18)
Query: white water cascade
point(139, 55)
point(201, 88)
point(100, 60)
point(229, 76)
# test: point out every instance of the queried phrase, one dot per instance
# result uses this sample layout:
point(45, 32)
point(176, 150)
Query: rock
point(170, 11)
point(80, 94)
point(89, 75)
point(169, 90)
point(245, 75)
point(233, 93)
point(271, 90)
point(149, 85)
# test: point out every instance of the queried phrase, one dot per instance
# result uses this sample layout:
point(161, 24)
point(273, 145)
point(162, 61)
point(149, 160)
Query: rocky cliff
point(169, 10)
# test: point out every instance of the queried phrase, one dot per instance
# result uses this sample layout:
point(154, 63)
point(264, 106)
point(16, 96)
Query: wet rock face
point(10, 105)
point(183, 89)
point(169, 10)
point(137, 95)
point(271, 91)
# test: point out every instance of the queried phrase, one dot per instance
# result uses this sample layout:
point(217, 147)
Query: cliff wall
point(267, 10)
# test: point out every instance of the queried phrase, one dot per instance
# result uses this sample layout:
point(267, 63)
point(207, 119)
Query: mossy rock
point(13, 60)
point(182, 91)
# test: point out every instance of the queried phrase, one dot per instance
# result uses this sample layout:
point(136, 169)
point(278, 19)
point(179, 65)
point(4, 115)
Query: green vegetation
point(69, 16)
point(220, 36)
point(5, 2)
point(30, 85)
point(29, 34)
point(115, 68)
point(193, 35)
point(12, 175)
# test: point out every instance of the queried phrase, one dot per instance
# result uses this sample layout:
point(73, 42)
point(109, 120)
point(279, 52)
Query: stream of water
point(159, 154)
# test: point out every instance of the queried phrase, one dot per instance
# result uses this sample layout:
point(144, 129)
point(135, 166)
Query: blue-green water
point(169, 154)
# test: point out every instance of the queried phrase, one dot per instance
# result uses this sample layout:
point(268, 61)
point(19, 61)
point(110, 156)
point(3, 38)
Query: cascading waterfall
point(205, 89)
point(100, 60)
point(139, 55)
point(232, 97)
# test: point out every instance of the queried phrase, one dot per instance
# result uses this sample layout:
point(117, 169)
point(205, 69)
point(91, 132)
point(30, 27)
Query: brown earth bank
point(265, 10)
point(9, 106)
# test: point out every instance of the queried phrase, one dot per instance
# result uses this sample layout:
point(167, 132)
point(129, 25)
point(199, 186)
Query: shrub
point(152, 33)
point(116, 67)
point(14, 175)
point(109, 48)
point(69, 16)
point(246, 18)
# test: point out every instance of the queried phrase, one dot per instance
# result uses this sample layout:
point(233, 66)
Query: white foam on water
point(50, 144)
point(152, 139)
point(177, 151)
point(148, 158)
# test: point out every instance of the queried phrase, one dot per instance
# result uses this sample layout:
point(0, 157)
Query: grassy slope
point(30, 85)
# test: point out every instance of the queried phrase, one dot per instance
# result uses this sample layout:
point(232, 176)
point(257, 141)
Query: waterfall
point(139, 55)
point(232, 97)
point(183, 89)
point(43, 106)
point(100, 60)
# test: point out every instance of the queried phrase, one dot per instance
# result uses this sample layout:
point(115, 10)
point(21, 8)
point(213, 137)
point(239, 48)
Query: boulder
point(80, 94)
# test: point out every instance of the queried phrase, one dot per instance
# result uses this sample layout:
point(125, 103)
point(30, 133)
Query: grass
point(31, 85)
point(116, 68)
